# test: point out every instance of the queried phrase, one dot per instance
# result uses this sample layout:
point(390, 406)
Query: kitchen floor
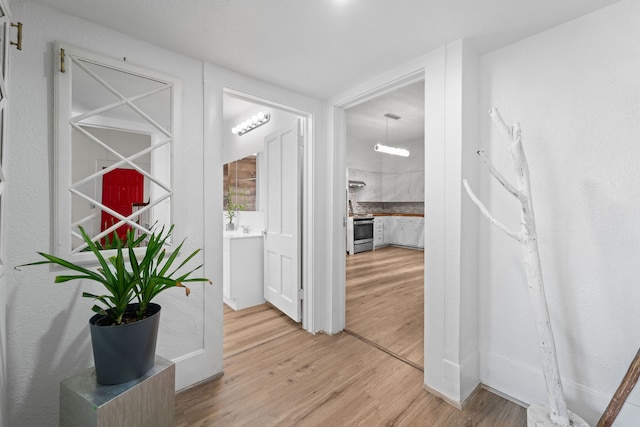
point(385, 301)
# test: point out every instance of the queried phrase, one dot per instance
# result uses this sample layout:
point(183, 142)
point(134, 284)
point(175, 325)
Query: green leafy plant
point(129, 281)
point(233, 208)
point(111, 241)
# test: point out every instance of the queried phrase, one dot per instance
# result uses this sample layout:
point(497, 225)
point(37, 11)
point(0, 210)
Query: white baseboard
point(524, 385)
point(463, 382)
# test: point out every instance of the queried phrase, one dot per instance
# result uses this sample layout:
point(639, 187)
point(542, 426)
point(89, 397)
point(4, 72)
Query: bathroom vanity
point(243, 269)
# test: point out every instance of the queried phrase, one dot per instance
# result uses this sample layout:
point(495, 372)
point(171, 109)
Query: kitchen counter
point(390, 214)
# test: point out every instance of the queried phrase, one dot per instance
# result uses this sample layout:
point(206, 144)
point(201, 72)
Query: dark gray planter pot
point(124, 352)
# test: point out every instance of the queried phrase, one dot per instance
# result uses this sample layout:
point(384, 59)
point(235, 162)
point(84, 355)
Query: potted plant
point(233, 208)
point(125, 327)
point(232, 211)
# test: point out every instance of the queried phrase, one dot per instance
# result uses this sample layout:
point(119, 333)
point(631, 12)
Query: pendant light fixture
point(386, 148)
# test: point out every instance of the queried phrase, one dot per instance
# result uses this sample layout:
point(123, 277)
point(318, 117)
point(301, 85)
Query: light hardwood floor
point(252, 327)
point(289, 377)
point(385, 300)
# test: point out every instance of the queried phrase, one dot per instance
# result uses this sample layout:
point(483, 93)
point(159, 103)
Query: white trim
point(307, 192)
point(444, 332)
point(217, 81)
point(337, 127)
point(526, 384)
point(4, 115)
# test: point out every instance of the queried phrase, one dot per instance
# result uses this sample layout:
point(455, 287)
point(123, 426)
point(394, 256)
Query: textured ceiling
point(322, 47)
point(367, 121)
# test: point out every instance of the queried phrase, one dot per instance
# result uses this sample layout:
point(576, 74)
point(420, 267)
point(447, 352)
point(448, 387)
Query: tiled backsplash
point(388, 207)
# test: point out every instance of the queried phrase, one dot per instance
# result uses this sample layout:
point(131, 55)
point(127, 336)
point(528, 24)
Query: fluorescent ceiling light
point(251, 123)
point(391, 150)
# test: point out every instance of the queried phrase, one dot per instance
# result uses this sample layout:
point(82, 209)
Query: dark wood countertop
point(393, 214)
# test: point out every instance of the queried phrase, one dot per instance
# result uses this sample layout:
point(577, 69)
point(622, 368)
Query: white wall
point(469, 220)
point(47, 333)
point(450, 345)
point(3, 350)
point(3, 279)
point(575, 90)
point(361, 155)
point(236, 147)
point(396, 164)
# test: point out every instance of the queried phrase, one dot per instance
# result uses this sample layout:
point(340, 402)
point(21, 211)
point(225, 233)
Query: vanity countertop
point(239, 234)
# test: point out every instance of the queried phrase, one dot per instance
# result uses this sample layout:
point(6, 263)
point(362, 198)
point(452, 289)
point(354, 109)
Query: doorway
point(122, 189)
point(385, 285)
point(247, 194)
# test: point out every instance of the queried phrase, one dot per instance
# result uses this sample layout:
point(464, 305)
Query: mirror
point(114, 138)
point(240, 183)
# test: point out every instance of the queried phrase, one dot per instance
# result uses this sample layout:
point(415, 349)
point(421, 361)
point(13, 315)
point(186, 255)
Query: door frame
point(451, 311)
point(306, 167)
point(216, 80)
point(306, 118)
point(340, 145)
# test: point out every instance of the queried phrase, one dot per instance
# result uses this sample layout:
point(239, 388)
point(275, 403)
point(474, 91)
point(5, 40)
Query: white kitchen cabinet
point(416, 187)
point(389, 226)
point(403, 187)
point(378, 231)
point(389, 187)
point(373, 190)
point(356, 175)
point(398, 231)
point(243, 269)
point(417, 233)
point(350, 236)
point(402, 231)
point(420, 231)
point(413, 232)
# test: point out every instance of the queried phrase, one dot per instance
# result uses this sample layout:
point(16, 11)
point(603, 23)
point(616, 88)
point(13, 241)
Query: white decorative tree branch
point(528, 237)
point(506, 184)
point(488, 215)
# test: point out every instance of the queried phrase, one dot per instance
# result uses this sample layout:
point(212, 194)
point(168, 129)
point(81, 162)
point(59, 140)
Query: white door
point(282, 275)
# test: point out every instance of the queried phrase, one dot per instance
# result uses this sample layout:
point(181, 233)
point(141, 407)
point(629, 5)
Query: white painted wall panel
point(575, 90)
point(47, 337)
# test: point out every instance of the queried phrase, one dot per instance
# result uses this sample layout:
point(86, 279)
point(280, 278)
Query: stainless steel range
point(362, 233)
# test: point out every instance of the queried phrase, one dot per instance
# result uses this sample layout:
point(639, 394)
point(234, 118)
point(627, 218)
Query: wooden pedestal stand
point(556, 413)
point(148, 401)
